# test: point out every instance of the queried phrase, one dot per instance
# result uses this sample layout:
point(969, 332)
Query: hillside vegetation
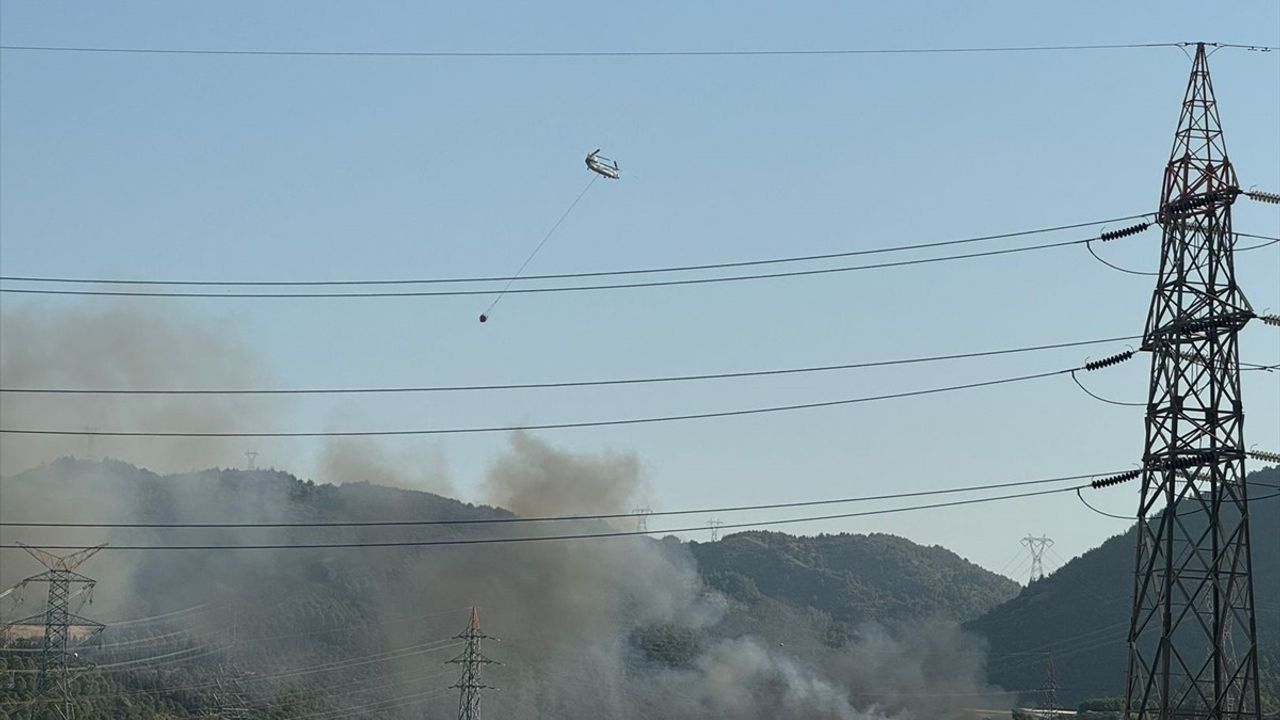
point(1080, 613)
point(767, 622)
point(853, 578)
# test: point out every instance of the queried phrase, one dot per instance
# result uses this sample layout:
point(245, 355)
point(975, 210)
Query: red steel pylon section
point(1192, 637)
point(472, 661)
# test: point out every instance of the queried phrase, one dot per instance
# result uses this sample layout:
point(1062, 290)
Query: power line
point(497, 54)
point(566, 276)
point(1095, 396)
point(548, 426)
point(1131, 518)
point(580, 536)
point(558, 384)
point(560, 518)
point(1269, 241)
point(553, 288)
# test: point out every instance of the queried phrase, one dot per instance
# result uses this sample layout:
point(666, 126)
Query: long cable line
point(552, 288)
point(1258, 246)
point(1099, 398)
point(1270, 240)
point(546, 426)
point(256, 639)
point(498, 54)
point(385, 704)
point(154, 618)
point(522, 539)
point(558, 384)
point(566, 275)
point(566, 518)
point(1131, 518)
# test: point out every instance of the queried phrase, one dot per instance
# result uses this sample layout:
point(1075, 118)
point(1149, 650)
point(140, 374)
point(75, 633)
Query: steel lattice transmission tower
point(642, 518)
point(472, 661)
point(1049, 690)
point(1036, 546)
point(57, 661)
point(714, 526)
point(1192, 638)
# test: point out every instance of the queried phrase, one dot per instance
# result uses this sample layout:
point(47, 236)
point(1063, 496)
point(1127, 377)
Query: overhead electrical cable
point(563, 276)
point(570, 54)
point(558, 518)
point(568, 536)
point(1132, 518)
point(557, 384)
point(545, 426)
point(383, 705)
point(1113, 266)
point(552, 288)
point(1269, 241)
point(154, 618)
point(1095, 396)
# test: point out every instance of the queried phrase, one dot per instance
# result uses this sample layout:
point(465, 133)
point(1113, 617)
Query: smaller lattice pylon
point(714, 526)
point(642, 518)
point(1049, 690)
point(64, 630)
point(1036, 546)
point(472, 660)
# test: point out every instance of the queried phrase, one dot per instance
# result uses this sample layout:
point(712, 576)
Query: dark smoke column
point(472, 661)
point(1192, 639)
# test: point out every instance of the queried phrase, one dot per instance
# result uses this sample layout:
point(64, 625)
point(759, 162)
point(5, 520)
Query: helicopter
point(603, 166)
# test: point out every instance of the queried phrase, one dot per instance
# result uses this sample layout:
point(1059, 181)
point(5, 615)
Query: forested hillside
point(772, 625)
point(853, 578)
point(1080, 613)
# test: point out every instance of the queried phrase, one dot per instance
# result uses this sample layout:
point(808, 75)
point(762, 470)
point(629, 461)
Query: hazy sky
point(314, 168)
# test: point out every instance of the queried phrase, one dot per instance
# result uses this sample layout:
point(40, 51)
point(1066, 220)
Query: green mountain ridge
point(1080, 614)
point(852, 577)
point(807, 598)
point(843, 609)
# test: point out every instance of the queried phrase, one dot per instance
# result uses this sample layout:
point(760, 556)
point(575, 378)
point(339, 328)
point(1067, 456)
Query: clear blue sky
point(251, 167)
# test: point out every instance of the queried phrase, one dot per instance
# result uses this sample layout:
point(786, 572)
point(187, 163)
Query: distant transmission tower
point(642, 518)
point(89, 437)
point(1193, 585)
point(230, 702)
point(472, 662)
point(57, 661)
point(251, 459)
point(1036, 546)
point(714, 527)
point(1049, 690)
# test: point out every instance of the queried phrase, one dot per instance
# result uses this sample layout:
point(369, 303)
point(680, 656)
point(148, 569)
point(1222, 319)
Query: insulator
point(1273, 320)
point(1194, 201)
point(1115, 479)
point(1192, 357)
point(1188, 461)
point(1265, 456)
point(1108, 361)
point(1124, 232)
point(1198, 324)
point(1265, 197)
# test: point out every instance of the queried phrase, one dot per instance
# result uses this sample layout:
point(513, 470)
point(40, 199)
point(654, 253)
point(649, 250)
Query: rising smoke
point(572, 615)
point(119, 345)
